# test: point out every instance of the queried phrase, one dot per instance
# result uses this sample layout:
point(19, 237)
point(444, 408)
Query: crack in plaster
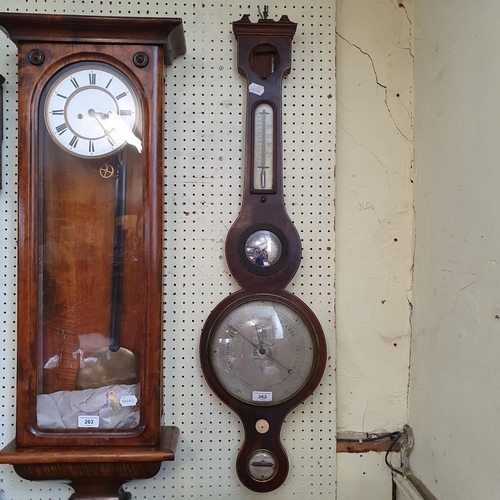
point(408, 141)
point(364, 147)
point(386, 170)
point(410, 51)
point(410, 33)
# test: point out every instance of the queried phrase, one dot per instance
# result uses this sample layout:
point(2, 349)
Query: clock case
point(139, 48)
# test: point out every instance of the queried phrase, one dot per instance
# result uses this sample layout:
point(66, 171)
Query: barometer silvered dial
point(263, 351)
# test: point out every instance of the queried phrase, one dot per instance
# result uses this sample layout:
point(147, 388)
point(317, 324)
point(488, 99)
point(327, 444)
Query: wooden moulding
point(166, 32)
point(360, 442)
point(92, 470)
point(264, 27)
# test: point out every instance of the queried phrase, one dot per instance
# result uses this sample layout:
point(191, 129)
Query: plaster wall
point(374, 213)
point(454, 380)
point(374, 231)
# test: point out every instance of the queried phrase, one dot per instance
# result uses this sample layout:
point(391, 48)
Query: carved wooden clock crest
point(89, 396)
point(262, 349)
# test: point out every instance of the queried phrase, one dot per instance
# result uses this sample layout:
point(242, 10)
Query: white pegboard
point(204, 150)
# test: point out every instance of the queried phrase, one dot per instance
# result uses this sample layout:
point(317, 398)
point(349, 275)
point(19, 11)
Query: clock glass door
point(91, 269)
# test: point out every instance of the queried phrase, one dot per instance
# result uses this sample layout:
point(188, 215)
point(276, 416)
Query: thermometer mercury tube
point(263, 147)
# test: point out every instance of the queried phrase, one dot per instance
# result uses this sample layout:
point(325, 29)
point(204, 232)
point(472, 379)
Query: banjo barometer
point(262, 349)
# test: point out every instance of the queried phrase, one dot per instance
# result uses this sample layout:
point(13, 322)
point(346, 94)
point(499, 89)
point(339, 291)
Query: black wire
point(395, 436)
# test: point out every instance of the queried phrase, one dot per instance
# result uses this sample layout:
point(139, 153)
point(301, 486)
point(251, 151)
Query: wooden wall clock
point(89, 397)
point(262, 349)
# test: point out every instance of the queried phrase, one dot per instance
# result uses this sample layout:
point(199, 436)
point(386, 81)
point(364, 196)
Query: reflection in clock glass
point(263, 248)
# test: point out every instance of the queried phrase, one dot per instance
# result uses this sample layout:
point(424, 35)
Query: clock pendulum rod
point(118, 253)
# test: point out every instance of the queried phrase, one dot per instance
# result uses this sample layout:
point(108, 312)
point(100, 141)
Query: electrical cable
point(378, 437)
point(395, 438)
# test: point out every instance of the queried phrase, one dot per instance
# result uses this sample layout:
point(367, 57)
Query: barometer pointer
point(289, 370)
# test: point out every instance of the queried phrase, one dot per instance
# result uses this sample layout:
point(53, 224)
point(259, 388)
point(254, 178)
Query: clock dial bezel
point(89, 127)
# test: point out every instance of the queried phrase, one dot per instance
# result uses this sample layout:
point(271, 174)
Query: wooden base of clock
point(95, 473)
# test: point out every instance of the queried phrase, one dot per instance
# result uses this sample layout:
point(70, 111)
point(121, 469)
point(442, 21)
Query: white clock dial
point(92, 111)
point(262, 352)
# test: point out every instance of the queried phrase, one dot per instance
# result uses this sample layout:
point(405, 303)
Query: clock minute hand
point(118, 125)
point(124, 131)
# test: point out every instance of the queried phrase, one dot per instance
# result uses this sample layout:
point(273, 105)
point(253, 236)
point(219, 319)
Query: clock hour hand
point(118, 125)
point(102, 115)
point(123, 130)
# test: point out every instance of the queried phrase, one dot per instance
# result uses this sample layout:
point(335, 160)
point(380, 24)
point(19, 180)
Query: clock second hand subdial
point(261, 349)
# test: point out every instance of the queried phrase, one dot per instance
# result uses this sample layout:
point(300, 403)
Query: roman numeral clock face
point(91, 110)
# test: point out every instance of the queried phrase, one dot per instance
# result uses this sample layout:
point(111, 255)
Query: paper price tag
point(89, 422)
point(255, 88)
point(129, 400)
point(263, 397)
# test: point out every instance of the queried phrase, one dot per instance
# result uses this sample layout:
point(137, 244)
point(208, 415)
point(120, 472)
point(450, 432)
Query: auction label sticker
point(261, 396)
point(88, 421)
point(255, 88)
point(129, 400)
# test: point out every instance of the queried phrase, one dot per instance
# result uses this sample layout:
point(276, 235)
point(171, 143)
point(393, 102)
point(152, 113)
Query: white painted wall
point(374, 231)
point(363, 476)
point(455, 374)
point(374, 214)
